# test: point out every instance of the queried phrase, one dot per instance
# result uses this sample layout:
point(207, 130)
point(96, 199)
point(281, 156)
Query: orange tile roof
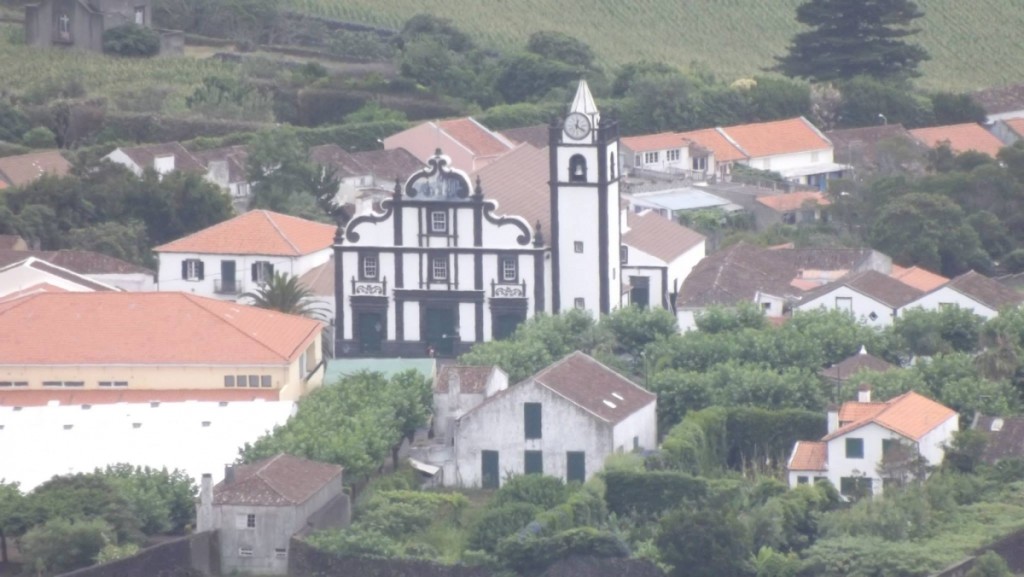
point(474, 136)
point(40, 398)
point(147, 328)
point(910, 414)
point(660, 141)
point(809, 456)
point(961, 138)
point(793, 200)
point(25, 168)
point(712, 139)
point(778, 137)
point(43, 287)
point(660, 237)
point(518, 181)
point(257, 232)
point(852, 411)
point(918, 278)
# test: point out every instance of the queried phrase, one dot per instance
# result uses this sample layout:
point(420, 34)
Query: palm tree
point(284, 293)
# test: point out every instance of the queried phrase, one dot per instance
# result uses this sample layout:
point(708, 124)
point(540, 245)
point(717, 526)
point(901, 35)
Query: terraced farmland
point(973, 43)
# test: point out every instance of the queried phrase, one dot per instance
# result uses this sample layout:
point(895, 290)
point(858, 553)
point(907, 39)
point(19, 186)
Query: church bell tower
point(585, 230)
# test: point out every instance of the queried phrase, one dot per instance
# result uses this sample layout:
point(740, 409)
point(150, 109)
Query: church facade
point(441, 266)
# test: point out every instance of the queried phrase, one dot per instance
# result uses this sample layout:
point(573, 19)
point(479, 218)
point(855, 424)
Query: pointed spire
point(584, 101)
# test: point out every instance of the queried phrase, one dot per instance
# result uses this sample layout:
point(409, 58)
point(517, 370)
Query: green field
point(973, 43)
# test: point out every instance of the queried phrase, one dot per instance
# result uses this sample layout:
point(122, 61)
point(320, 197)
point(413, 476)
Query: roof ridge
point(720, 130)
point(194, 299)
point(273, 223)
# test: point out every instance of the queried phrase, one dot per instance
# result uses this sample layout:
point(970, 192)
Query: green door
point(489, 470)
point(371, 332)
point(640, 291)
point(576, 466)
point(505, 324)
point(439, 330)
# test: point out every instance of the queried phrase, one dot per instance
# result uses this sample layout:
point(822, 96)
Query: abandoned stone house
point(79, 24)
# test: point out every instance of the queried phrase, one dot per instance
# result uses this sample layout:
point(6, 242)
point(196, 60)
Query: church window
point(577, 168)
point(369, 268)
point(192, 269)
point(577, 246)
point(671, 155)
point(438, 222)
point(651, 157)
point(509, 269)
point(439, 268)
point(140, 15)
point(580, 303)
point(64, 26)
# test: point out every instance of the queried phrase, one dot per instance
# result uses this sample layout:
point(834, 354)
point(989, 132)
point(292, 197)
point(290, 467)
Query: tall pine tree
point(853, 38)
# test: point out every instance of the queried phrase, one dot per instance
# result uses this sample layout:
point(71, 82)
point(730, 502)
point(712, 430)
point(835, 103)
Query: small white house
point(237, 255)
point(34, 275)
point(163, 158)
point(870, 296)
point(657, 255)
point(668, 152)
point(794, 148)
point(972, 291)
point(563, 422)
point(864, 435)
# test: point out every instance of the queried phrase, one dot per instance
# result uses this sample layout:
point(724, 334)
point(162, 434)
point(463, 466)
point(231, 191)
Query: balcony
point(227, 287)
point(508, 291)
point(369, 288)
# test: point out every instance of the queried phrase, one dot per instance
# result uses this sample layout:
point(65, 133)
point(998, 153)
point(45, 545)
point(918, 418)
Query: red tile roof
point(918, 278)
point(257, 232)
point(961, 138)
point(849, 366)
point(596, 388)
point(25, 168)
point(650, 142)
point(793, 200)
point(1016, 125)
point(519, 182)
point(713, 140)
point(536, 135)
point(281, 480)
point(320, 279)
point(40, 398)
point(777, 137)
point(809, 456)
point(910, 414)
point(147, 328)
point(986, 291)
point(475, 136)
point(472, 379)
point(145, 155)
point(660, 237)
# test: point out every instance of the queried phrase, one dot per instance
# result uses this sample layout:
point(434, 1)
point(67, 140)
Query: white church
point(444, 264)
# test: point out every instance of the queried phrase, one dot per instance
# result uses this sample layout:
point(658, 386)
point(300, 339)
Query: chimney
point(204, 512)
point(864, 393)
point(833, 418)
point(229, 474)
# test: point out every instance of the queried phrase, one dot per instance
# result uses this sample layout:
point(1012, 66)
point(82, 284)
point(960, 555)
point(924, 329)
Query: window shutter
point(254, 273)
point(199, 269)
point(531, 420)
point(270, 271)
point(184, 270)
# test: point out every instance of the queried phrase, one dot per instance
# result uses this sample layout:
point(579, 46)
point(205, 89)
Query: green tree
point(703, 542)
point(850, 38)
point(633, 328)
point(868, 101)
point(131, 40)
point(39, 137)
point(80, 497)
point(553, 45)
point(12, 515)
point(61, 545)
point(126, 241)
point(285, 293)
point(162, 500)
point(951, 108)
point(989, 564)
point(529, 77)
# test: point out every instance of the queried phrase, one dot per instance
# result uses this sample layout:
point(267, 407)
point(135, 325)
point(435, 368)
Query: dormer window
point(577, 168)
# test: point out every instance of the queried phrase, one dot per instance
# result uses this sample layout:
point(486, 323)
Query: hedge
point(649, 492)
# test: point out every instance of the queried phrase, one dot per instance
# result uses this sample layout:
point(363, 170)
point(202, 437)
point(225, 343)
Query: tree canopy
point(851, 38)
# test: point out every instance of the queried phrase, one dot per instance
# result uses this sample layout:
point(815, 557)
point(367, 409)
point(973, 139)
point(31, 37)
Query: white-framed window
point(580, 303)
point(192, 269)
point(844, 304)
point(266, 381)
point(262, 271)
point(140, 15)
point(280, 553)
point(637, 159)
point(245, 520)
point(509, 269)
point(370, 268)
point(671, 155)
point(438, 222)
point(439, 268)
point(113, 383)
point(577, 246)
point(250, 521)
point(623, 254)
point(229, 381)
point(700, 163)
point(245, 551)
point(651, 157)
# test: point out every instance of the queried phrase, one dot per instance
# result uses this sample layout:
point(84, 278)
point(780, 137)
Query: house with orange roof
point(801, 207)
point(972, 291)
point(667, 152)
point(657, 255)
point(794, 148)
point(238, 255)
point(869, 444)
point(1008, 130)
point(960, 138)
point(22, 169)
point(917, 277)
point(154, 341)
point(468, 143)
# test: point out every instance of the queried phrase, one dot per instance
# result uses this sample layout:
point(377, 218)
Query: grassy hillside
point(973, 43)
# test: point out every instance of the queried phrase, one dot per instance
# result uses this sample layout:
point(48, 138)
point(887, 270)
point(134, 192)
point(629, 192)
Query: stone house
point(80, 24)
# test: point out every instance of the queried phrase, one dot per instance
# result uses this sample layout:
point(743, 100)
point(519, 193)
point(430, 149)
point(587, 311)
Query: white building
point(668, 152)
point(459, 389)
point(226, 168)
point(163, 158)
point(657, 256)
point(869, 296)
point(33, 275)
point(563, 422)
point(864, 436)
point(446, 263)
point(365, 177)
point(237, 255)
point(971, 291)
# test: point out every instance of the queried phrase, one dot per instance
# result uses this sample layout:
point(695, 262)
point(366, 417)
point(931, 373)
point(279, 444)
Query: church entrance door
point(371, 332)
point(439, 330)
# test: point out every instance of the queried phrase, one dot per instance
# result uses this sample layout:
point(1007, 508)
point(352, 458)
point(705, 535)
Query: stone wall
point(1010, 548)
point(188, 556)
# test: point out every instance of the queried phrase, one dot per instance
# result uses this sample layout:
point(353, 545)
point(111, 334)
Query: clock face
point(577, 126)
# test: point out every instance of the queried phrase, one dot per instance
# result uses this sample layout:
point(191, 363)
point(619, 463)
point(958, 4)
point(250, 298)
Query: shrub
point(651, 492)
point(541, 491)
point(39, 137)
point(498, 523)
point(60, 545)
point(131, 40)
point(527, 554)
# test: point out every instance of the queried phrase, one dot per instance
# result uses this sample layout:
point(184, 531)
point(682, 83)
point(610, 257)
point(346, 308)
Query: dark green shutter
point(489, 469)
point(533, 463)
point(576, 466)
point(199, 269)
point(184, 270)
point(532, 420)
